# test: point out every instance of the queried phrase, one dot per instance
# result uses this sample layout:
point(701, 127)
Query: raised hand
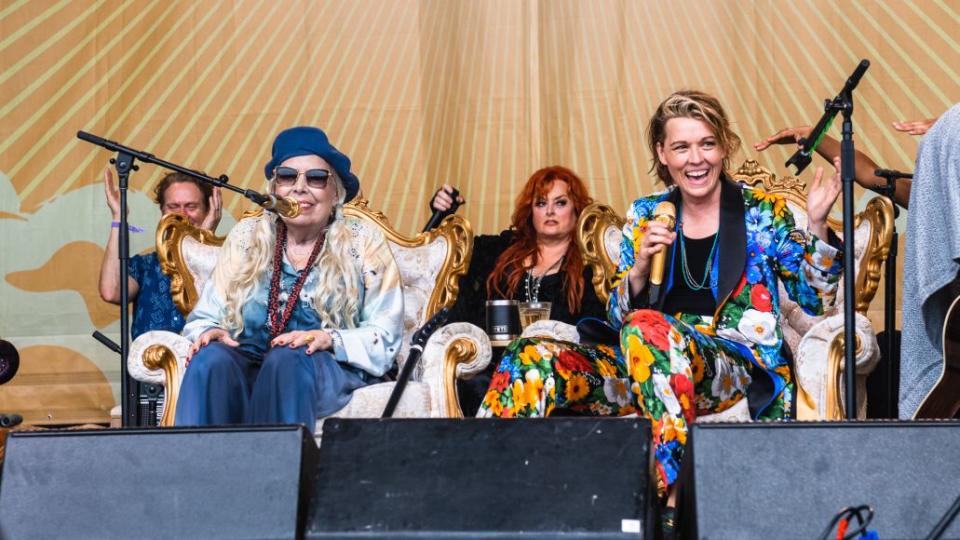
point(443, 200)
point(784, 136)
point(914, 127)
point(214, 211)
point(822, 195)
point(112, 193)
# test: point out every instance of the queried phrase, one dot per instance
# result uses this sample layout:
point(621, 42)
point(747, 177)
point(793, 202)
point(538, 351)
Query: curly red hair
point(509, 269)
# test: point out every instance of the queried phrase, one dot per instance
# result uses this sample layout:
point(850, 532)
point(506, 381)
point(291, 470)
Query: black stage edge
point(229, 482)
point(788, 480)
point(484, 478)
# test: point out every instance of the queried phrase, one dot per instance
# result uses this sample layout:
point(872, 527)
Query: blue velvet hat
point(306, 141)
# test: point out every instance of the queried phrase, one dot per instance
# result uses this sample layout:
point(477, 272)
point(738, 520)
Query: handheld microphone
point(439, 215)
point(665, 213)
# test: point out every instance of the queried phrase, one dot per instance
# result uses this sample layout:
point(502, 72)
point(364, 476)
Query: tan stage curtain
point(476, 93)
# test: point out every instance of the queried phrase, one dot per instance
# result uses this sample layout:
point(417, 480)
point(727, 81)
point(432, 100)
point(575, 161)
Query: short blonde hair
point(690, 104)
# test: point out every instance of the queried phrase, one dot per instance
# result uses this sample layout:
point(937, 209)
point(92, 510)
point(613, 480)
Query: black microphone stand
point(891, 368)
point(124, 163)
point(417, 342)
point(842, 104)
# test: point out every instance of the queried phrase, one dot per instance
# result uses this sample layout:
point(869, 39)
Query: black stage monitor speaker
point(789, 480)
point(483, 478)
point(237, 482)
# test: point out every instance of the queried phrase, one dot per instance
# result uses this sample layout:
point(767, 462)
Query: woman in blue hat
point(299, 311)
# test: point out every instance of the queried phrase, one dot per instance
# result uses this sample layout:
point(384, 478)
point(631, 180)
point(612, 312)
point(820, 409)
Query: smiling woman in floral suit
point(711, 337)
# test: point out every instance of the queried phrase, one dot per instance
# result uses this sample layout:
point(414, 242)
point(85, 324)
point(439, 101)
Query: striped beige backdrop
point(418, 92)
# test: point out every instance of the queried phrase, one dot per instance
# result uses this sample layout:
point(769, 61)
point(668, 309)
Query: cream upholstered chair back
point(430, 266)
point(816, 342)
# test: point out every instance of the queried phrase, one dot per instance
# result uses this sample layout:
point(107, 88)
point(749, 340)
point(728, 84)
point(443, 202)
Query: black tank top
point(683, 299)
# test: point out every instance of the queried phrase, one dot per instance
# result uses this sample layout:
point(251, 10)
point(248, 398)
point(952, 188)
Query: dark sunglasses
point(287, 177)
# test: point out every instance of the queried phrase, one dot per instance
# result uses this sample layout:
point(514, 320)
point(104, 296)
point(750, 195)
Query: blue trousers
point(223, 385)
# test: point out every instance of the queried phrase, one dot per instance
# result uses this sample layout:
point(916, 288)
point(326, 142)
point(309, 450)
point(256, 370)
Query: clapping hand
point(820, 199)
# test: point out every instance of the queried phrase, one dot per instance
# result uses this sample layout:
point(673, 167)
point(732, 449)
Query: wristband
point(131, 228)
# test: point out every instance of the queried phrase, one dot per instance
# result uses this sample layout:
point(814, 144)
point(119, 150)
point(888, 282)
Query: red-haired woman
point(535, 260)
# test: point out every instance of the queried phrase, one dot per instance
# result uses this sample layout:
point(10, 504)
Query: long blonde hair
point(247, 255)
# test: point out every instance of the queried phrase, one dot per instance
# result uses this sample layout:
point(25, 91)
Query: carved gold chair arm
point(455, 351)
point(159, 357)
point(819, 368)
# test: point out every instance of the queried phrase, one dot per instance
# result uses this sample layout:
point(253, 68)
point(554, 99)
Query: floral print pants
point(540, 375)
point(670, 370)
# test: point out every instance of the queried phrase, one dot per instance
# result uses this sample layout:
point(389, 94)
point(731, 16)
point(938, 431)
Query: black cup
point(503, 320)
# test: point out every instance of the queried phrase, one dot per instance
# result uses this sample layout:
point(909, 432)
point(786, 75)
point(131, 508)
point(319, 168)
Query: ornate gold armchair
point(430, 266)
point(816, 342)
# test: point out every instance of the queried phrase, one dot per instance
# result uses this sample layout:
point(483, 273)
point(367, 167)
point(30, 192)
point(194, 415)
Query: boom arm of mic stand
point(802, 157)
point(222, 181)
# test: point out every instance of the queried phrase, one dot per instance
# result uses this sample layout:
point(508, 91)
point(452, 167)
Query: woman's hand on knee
point(315, 340)
point(214, 334)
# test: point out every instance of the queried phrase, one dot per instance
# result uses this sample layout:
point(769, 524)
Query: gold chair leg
point(460, 351)
point(161, 357)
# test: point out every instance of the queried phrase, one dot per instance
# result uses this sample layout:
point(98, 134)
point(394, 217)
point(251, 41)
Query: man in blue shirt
point(149, 287)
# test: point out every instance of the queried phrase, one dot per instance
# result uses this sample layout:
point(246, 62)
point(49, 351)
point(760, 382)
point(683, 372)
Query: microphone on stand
point(287, 207)
point(803, 156)
point(890, 188)
point(892, 174)
point(665, 213)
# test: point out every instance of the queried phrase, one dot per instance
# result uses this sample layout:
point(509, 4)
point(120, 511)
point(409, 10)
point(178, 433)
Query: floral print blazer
point(759, 247)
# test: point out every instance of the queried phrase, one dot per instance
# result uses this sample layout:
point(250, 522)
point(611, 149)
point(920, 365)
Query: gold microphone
point(287, 207)
point(665, 213)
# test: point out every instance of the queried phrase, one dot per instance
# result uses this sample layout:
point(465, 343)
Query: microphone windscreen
point(666, 212)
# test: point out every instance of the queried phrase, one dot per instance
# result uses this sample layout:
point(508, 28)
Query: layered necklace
point(277, 319)
point(688, 278)
point(533, 282)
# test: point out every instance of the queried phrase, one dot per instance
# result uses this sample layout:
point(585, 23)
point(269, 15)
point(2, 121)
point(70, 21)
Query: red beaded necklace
point(278, 321)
